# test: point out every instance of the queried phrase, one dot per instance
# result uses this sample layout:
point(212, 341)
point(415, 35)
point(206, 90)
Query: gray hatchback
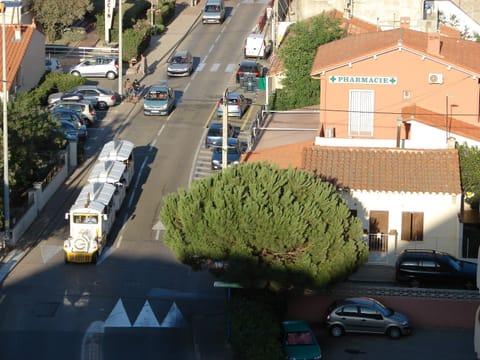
point(365, 315)
point(180, 64)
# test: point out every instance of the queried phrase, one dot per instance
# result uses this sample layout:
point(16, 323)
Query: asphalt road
point(138, 299)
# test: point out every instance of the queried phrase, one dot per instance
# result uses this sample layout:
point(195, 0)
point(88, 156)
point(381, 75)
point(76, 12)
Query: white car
point(97, 67)
point(53, 64)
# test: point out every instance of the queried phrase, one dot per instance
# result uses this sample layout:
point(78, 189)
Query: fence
point(64, 51)
point(255, 127)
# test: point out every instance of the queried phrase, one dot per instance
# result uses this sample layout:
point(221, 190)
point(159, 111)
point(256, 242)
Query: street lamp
point(6, 187)
point(120, 49)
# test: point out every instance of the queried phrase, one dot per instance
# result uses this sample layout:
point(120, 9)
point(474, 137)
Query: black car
point(215, 134)
point(234, 153)
point(431, 267)
point(249, 68)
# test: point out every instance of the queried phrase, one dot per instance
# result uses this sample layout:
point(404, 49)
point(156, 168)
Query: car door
point(348, 315)
point(370, 320)
point(89, 95)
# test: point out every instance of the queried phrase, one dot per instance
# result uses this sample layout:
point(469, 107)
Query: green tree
point(56, 15)
point(298, 52)
point(273, 228)
point(470, 173)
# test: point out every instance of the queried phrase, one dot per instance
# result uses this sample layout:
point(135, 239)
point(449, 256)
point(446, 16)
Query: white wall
point(441, 223)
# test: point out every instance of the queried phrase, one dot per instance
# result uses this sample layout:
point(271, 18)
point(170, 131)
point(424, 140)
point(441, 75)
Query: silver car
point(180, 64)
point(99, 97)
point(97, 67)
point(84, 108)
point(365, 315)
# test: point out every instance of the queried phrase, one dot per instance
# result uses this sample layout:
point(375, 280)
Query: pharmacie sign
point(365, 80)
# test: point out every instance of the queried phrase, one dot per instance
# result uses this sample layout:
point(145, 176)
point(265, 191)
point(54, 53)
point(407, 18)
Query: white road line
point(200, 66)
point(214, 67)
point(229, 68)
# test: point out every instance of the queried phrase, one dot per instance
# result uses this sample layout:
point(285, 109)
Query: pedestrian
point(143, 65)
point(127, 85)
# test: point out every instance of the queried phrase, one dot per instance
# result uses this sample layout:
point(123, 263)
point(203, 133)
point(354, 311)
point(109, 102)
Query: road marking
point(118, 316)
point(214, 67)
point(229, 67)
point(146, 317)
point(174, 318)
point(201, 66)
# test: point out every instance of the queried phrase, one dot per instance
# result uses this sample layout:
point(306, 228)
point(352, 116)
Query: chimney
point(405, 22)
point(18, 33)
point(434, 45)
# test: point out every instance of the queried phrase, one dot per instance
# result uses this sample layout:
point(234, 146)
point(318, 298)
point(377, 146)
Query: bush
point(52, 83)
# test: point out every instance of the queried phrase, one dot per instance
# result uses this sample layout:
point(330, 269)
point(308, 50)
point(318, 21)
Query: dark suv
point(430, 267)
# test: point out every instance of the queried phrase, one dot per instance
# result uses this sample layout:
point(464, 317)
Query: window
point(370, 313)
point(349, 310)
point(360, 114)
point(412, 226)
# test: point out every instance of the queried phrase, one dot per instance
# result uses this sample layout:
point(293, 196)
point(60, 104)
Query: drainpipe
point(399, 130)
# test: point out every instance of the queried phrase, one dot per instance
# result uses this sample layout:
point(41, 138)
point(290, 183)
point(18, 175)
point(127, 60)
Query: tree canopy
point(56, 15)
point(470, 173)
point(297, 53)
point(272, 228)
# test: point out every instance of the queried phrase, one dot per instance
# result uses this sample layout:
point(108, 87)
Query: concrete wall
point(31, 69)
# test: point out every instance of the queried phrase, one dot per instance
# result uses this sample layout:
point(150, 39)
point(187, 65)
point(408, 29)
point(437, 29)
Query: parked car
point(257, 46)
point(101, 66)
point(234, 154)
point(236, 105)
point(180, 64)
point(300, 342)
point(84, 108)
point(431, 267)
point(365, 315)
point(53, 64)
point(215, 134)
point(68, 130)
point(249, 68)
point(159, 100)
point(99, 97)
point(73, 118)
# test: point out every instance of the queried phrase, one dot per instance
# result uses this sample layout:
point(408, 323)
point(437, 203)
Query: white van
point(257, 46)
point(213, 12)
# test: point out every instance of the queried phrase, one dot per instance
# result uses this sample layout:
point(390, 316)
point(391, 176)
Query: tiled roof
point(284, 156)
point(437, 120)
point(462, 53)
point(376, 169)
point(15, 50)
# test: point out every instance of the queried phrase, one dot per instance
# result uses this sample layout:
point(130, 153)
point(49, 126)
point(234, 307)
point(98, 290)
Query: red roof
point(457, 52)
point(386, 169)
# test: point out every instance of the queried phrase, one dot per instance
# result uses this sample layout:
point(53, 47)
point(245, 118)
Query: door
point(378, 231)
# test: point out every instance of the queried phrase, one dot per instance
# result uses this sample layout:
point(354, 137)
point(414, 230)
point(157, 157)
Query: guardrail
point(256, 126)
point(79, 52)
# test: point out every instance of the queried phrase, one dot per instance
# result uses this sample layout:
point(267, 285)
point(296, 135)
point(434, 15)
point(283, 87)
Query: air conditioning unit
point(435, 78)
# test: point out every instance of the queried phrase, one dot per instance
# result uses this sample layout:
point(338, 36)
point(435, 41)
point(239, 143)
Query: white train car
point(91, 219)
point(111, 172)
point(93, 214)
point(120, 150)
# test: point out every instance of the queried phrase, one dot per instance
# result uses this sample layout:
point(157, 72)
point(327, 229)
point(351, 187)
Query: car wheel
point(111, 75)
point(102, 105)
point(95, 258)
point(75, 73)
point(336, 330)
point(394, 332)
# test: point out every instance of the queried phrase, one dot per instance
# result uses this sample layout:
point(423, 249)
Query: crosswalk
point(215, 67)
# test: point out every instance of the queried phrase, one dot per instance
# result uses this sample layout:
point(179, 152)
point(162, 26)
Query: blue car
point(234, 154)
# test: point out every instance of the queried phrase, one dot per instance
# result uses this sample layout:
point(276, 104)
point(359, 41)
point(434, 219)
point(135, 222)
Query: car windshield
point(212, 8)
point(179, 60)
point(230, 150)
point(215, 132)
point(157, 95)
point(382, 308)
point(299, 338)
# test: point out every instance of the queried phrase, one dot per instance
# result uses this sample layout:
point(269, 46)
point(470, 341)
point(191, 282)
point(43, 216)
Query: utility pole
point(225, 131)
point(120, 49)
point(6, 186)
